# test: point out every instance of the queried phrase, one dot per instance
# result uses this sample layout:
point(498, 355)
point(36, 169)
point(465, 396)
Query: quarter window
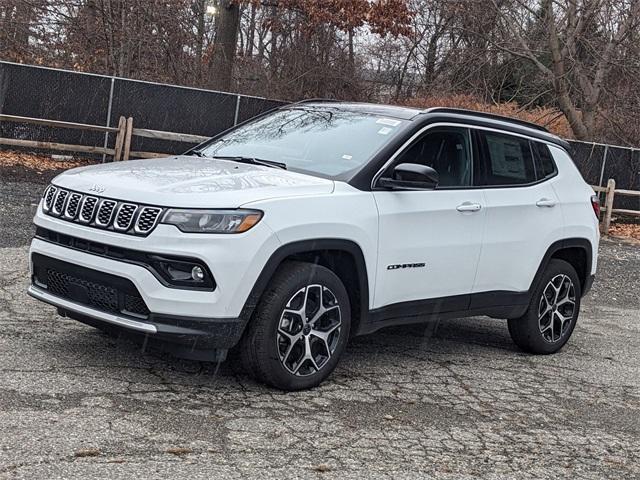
point(544, 161)
point(508, 160)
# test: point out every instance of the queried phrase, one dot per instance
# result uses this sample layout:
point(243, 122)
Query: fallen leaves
point(38, 162)
point(628, 230)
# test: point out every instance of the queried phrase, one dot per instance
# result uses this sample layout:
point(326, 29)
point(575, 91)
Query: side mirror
point(411, 176)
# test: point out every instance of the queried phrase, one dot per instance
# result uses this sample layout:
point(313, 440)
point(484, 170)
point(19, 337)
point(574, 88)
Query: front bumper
point(188, 337)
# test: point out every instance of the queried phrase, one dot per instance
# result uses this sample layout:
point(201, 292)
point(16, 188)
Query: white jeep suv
point(290, 233)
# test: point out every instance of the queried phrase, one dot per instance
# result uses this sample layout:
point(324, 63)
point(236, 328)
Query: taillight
point(595, 203)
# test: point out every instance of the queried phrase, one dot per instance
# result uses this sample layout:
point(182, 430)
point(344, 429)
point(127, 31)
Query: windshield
point(326, 141)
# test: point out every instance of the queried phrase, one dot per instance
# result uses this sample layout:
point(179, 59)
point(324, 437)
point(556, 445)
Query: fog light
point(197, 274)
point(182, 272)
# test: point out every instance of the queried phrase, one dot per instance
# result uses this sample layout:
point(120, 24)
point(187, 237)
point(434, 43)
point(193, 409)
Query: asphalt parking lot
point(449, 400)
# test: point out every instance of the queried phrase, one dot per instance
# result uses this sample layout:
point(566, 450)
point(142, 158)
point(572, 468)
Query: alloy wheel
point(309, 330)
point(557, 308)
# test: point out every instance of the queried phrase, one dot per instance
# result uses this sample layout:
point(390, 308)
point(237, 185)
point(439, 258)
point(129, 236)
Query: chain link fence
point(53, 94)
point(599, 162)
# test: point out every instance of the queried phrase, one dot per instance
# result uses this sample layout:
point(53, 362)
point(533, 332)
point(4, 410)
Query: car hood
point(187, 181)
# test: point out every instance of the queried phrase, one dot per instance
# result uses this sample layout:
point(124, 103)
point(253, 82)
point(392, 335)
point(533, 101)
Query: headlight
point(212, 221)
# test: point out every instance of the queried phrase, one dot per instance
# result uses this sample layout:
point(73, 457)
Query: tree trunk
point(24, 12)
point(225, 45)
point(251, 33)
point(566, 104)
point(199, 8)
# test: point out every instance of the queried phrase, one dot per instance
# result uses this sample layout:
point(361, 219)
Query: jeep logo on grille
point(96, 188)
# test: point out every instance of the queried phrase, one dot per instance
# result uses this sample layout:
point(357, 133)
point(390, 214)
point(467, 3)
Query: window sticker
point(385, 131)
point(388, 121)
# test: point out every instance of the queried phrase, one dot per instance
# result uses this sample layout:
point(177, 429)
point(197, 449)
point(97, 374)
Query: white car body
point(427, 250)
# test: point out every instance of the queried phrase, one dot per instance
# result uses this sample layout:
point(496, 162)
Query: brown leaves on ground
point(628, 230)
point(38, 162)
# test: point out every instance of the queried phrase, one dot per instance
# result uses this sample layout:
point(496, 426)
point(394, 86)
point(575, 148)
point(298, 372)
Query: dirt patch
point(34, 167)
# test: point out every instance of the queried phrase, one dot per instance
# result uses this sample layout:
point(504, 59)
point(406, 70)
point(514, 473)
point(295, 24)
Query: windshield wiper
point(250, 160)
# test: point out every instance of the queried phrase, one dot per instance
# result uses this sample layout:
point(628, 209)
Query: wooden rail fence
point(610, 192)
point(121, 150)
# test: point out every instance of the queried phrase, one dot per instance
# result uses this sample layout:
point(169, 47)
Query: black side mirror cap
point(411, 176)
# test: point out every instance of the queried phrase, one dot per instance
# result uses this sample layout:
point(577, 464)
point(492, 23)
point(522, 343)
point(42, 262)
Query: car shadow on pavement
point(480, 340)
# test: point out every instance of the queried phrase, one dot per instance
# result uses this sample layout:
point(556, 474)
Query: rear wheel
point(300, 328)
point(553, 311)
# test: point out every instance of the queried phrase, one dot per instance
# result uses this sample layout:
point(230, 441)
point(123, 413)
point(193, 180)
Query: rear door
point(523, 217)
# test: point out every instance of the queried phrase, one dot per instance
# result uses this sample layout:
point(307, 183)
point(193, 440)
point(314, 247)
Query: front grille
point(58, 204)
point(123, 217)
point(49, 196)
point(72, 205)
point(98, 296)
point(147, 219)
point(101, 291)
point(88, 209)
point(105, 212)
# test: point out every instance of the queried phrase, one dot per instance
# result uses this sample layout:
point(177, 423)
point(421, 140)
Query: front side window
point(447, 151)
point(508, 160)
point(320, 140)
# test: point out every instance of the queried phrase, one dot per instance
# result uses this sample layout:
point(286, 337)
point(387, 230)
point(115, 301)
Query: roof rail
point(491, 116)
point(311, 100)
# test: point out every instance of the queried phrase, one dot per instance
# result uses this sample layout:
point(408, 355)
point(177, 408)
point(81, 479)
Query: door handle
point(469, 207)
point(546, 202)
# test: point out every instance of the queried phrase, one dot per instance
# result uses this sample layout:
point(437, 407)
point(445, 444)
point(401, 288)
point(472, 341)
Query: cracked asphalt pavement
point(453, 399)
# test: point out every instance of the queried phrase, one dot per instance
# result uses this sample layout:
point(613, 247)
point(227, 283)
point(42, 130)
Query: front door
point(430, 240)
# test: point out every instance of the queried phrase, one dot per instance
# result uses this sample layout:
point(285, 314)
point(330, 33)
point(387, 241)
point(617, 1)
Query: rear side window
point(545, 165)
point(508, 160)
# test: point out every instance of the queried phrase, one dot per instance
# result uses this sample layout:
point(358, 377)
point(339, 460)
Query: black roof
point(492, 116)
point(408, 113)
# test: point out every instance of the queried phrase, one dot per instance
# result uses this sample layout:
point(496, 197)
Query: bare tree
point(226, 40)
point(577, 52)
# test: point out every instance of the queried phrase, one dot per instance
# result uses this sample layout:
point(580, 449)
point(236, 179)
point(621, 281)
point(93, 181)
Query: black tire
point(547, 334)
point(261, 347)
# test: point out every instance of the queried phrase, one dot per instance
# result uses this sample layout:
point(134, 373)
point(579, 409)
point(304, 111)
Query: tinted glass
point(544, 161)
point(447, 151)
point(314, 140)
point(509, 160)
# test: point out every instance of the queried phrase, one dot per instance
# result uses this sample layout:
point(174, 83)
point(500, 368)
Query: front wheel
point(300, 328)
point(553, 311)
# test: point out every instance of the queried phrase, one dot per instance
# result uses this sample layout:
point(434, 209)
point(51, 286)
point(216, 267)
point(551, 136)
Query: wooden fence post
point(127, 139)
point(608, 205)
point(122, 128)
